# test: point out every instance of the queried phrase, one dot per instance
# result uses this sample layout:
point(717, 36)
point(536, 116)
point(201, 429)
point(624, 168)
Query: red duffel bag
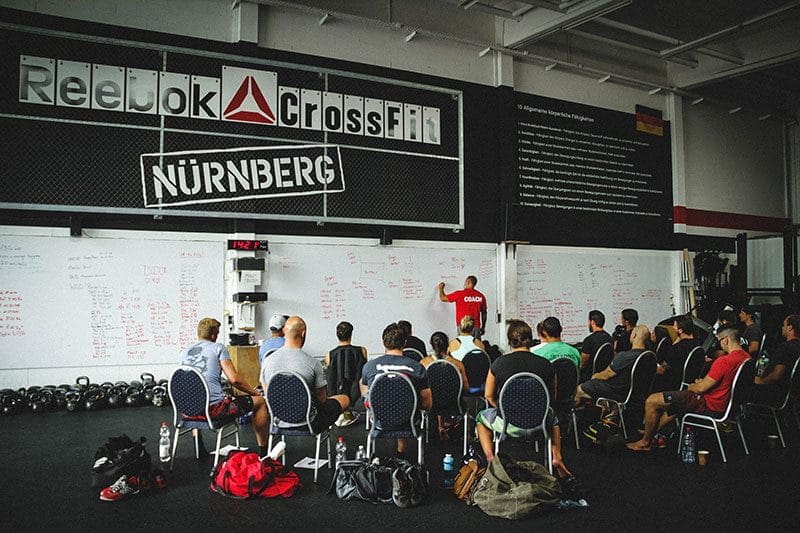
point(244, 476)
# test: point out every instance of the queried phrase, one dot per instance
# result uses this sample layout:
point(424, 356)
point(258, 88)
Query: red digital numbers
point(246, 245)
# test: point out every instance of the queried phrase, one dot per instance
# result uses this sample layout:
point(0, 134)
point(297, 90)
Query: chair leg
point(328, 444)
point(549, 454)
point(369, 451)
point(174, 448)
point(497, 445)
point(237, 435)
point(622, 421)
point(219, 443)
point(741, 434)
point(778, 425)
point(575, 431)
point(316, 457)
point(283, 457)
point(466, 433)
point(195, 433)
point(269, 443)
point(426, 425)
point(420, 454)
point(680, 438)
point(719, 441)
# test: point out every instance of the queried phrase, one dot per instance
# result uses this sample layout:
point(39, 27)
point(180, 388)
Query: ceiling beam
point(633, 47)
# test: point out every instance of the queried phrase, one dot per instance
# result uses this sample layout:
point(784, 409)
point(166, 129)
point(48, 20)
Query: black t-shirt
point(675, 356)
point(622, 366)
point(623, 339)
point(417, 344)
point(515, 362)
point(786, 354)
point(752, 333)
point(594, 341)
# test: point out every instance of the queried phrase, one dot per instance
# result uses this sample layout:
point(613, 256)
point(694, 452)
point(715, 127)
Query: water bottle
point(164, 448)
point(361, 454)
point(449, 467)
point(762, 365)
point(245, 418)
point(341, 450)
point(688, 454)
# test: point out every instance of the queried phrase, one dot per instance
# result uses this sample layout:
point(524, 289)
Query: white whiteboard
point(568, 284)
point(83, 302)
point(373, 286)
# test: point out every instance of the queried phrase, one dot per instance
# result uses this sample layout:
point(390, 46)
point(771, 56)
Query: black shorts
point(327, 413)
point(682, 401)
point(597, 388)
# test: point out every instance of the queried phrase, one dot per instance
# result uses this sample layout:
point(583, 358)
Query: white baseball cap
point(277, 322)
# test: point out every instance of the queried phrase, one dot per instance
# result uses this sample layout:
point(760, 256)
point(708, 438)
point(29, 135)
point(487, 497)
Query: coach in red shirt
point(709, 395)
point(468, 302)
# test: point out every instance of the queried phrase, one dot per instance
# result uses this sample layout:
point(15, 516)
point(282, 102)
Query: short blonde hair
point(467, 324)
point(207, 327)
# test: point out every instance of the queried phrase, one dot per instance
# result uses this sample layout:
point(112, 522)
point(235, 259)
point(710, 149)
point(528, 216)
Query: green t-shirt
point(554, 350)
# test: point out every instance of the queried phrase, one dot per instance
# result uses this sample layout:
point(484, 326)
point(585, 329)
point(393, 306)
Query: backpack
point(243, 475)
point(466, 481)
point(120, 456)
point(599, 432)
point(395, 481)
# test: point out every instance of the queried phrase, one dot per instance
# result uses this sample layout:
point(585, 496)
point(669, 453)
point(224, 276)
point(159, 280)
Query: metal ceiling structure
point(737, 54)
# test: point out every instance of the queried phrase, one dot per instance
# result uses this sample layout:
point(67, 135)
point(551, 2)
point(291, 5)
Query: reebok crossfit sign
point(198, 177)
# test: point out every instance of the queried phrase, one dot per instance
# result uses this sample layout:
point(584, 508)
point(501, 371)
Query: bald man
point(291, 358)
point(614, 381)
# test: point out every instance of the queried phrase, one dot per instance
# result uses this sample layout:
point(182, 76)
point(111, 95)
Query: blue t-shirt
point(268, 346)
point(206, 357)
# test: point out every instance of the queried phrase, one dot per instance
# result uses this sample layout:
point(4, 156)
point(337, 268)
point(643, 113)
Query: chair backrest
point(476, 365)
point(524, 401)
point(413, 353)
point(793, 384)
point(393, 401)
point(566, 380)
point(762, 345)
point(189, 394)
point(643, 373)
point(602, 357)
point(446, 386)
point(693, 366)
point(663, 345)
point(741, 387)
point(288, 399)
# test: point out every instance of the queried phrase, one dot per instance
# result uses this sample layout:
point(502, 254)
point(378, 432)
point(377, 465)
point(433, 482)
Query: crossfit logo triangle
point(249, 104)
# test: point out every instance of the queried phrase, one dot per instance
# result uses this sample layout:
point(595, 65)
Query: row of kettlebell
point(84, 395)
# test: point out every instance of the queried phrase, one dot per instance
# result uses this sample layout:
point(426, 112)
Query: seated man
point(669, 371)
point(344, 364)
point(324, 410)
point(771, 385)
point(275, 339)
point(520, 339)
point(394, 339)
point(552, 347)
point(211, 359)
point(752, 333)
point(614, 381)
point(411, 341)
point(597, 337)
point(628, 319)
point(709, 395)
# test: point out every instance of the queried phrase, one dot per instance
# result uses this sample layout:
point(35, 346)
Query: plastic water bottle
point(762, 365)
point(688, 454)
point(449, 467)
point(341, 450)
point(361, 453)
point(164, 448)
point(245, 418)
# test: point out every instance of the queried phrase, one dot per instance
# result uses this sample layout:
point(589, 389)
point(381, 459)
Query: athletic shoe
point(346, 418)
point(124, 486)
point(157, 479)
point(660, 441)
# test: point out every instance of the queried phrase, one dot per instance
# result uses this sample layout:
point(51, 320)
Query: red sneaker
point(123, 487)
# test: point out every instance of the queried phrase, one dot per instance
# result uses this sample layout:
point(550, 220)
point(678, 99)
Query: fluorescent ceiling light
point(324, 18)
point(604, 78)
point(697, 100)
point(550, 67)
point(485, 51)
point(654, 91)
point(734, 110)
point(411, 35)
point(467, 5)
point(765, 117)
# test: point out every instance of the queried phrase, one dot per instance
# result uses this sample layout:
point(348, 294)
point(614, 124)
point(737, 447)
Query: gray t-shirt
point(297, 361)
point(206, 357)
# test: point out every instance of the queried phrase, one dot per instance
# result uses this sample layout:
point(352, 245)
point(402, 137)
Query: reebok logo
point(249, 101)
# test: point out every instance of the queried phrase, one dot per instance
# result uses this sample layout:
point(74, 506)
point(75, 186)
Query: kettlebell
point(106, 386)
point(147, 393)
point(120, 383)
point(147, 378)
point(94, 399)
point(160, 397)
point(74, 401)
point(135, 384)
point(61, 398)
point(82, 382)
point(35, 402)
point(115, 397)
point(133, 397)
point(10, 404)
point(48, 398)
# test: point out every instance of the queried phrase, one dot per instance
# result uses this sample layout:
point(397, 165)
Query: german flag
point(649, 121)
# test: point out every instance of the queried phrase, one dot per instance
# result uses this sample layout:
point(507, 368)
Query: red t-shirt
point(468, 302)
point(723, 370)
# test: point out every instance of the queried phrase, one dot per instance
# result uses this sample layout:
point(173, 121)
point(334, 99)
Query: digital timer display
point(247, 245)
